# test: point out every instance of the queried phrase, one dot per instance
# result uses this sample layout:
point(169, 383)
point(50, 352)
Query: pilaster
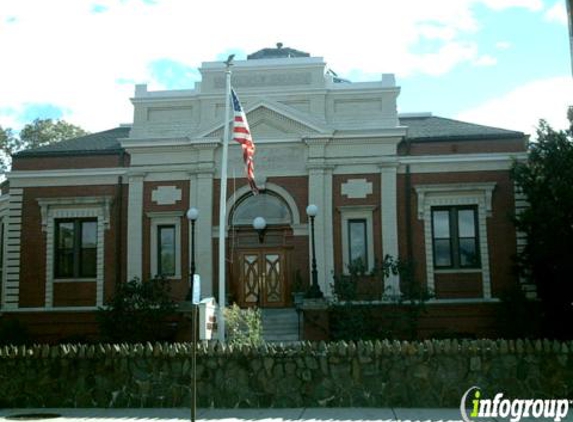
point(135, 226)
point(201, 197)
point(389, 216)
point(320, 194)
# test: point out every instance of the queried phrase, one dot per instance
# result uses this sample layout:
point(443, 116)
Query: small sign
point(196, 289)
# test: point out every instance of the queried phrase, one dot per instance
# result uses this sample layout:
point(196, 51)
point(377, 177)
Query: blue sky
point(499, 62)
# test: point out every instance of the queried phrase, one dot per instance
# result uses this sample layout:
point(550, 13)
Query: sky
point(504, 63)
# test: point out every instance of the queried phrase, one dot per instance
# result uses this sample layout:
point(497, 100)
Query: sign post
point(196, 287)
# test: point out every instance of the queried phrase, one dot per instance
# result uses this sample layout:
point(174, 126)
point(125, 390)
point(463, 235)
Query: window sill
point(457, 271)
point(75, 280)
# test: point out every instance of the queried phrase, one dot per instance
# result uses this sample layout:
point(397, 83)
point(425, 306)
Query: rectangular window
point(357, 242)
point(454, 237)
point(166, 250)
point(76, 248)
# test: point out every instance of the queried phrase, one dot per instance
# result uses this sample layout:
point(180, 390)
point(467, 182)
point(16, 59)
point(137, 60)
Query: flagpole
point(223, 205)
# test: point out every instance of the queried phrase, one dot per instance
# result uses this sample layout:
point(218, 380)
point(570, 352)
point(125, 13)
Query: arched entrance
point(260, 271)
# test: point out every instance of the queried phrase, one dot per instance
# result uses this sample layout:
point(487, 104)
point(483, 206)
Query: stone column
point(201, 197)
point(389, 209)
point(320, 194)
point(135, 226)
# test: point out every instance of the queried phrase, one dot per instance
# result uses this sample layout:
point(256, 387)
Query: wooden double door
point(262, 275)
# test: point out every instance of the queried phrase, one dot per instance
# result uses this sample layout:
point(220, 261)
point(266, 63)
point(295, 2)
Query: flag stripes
point(242, 135)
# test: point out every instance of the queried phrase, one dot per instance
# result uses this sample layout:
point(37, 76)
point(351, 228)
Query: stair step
point(280, 325)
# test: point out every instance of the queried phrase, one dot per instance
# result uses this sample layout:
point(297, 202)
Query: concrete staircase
point(280, 325)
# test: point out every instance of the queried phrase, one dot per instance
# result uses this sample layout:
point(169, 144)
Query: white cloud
point(485, 60)
point(557, 13)
point(63, 53)
point(522, 108)
point(533, 5)
point(503, 45)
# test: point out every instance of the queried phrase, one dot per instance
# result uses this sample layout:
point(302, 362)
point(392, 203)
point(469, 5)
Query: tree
point(38, 133)
point(43, 132)
point(546, 179)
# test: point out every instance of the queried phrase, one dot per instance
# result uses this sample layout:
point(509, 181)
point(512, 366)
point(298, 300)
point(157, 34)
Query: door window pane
point(166, 250)
point(358, 242)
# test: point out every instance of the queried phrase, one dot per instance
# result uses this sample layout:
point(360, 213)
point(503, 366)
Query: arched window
point(267, 205)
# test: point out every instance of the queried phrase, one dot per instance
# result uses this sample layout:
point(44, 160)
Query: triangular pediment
point(271, 120)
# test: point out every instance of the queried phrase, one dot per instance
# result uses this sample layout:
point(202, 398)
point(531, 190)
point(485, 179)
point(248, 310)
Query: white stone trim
point(351, 212)
point(320, 194)
point(135, 226)
point(164, 218)
point(74, 207)
point(453, 194)
point(66, 177)
point(356, 188)
point(448, 192)
point(13, 230)
point(389, 218)
point(272, 187)
point(201, 197)
point(521, 203)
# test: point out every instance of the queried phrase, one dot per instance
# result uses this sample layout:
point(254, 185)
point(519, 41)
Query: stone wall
point(381, 373)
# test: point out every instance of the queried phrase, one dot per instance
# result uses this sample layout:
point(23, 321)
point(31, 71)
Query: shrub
point(13, 332)
point(137, 312)
point(244, 326)
point(398, 317)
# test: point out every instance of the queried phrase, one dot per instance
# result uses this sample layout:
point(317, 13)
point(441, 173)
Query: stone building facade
point(87, 213)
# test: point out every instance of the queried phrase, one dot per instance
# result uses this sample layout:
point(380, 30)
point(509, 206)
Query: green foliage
point(546, 179)
point(13, 332)
point(38, 133)
point(397, 317)
point(518, 317)
point(244, 326)
point(138, 312)
point(43, 132)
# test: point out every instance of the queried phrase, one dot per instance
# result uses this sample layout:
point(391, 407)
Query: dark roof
point(277, 53)
point(433, 128)
point(106, 142)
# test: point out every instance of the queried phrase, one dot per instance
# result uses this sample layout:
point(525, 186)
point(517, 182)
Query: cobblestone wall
point(381, 373)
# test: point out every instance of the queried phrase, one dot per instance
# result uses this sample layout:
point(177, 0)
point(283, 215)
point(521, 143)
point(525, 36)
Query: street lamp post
point(314, 291)
point(192, 215)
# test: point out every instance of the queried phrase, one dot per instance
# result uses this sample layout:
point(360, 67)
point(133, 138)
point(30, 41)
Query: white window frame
point(53, 209)
point(357, 212)
point(457, 194)
point(161, 219)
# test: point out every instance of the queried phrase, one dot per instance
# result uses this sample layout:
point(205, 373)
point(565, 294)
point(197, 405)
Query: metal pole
point(193, 329)
point(194, 363)
point(314, 291)
point(190, 292)
point(223, 206)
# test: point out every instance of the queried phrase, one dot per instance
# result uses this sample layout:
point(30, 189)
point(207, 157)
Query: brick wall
point(33, 249)
point(338, 200)
point(500, 229)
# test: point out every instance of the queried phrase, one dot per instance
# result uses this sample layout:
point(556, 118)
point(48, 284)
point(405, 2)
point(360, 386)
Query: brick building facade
point(87, 213)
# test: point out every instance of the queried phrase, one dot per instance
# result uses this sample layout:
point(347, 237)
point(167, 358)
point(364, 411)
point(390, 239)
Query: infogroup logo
point(515, 409)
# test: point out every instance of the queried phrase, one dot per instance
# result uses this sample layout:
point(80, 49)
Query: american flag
point(242, 135)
